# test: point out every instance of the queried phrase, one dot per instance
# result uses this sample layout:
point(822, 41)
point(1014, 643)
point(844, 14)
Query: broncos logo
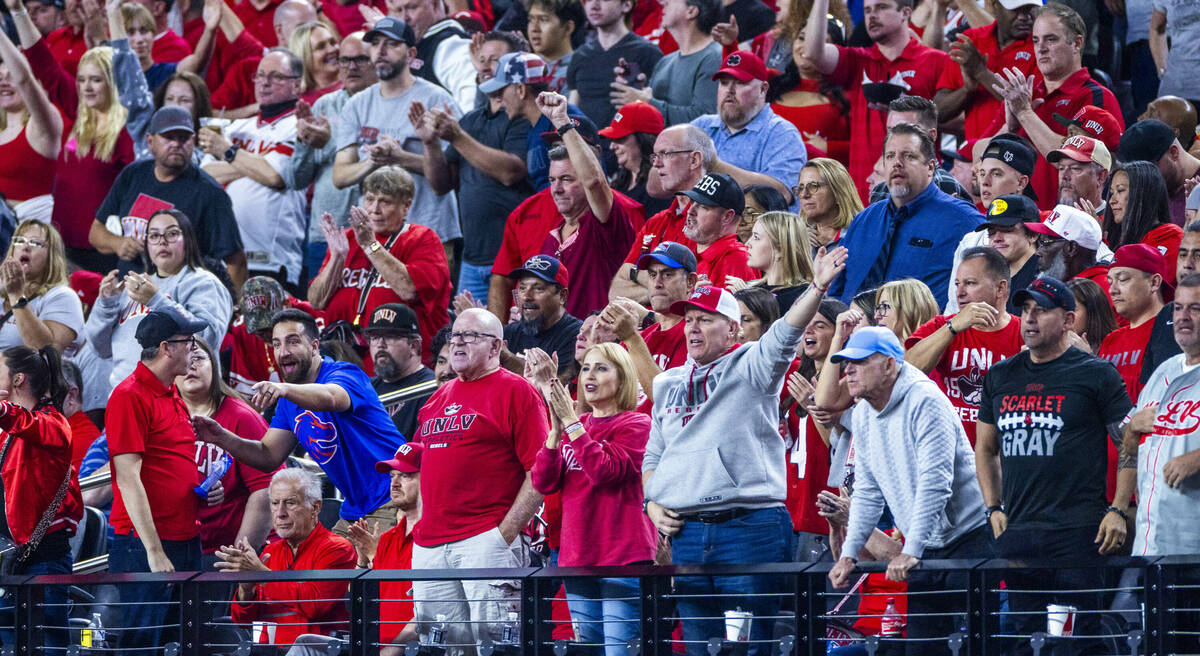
point(318, 437)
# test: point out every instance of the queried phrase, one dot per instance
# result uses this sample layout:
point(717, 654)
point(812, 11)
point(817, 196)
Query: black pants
point(1075, 544)
point(976, 544)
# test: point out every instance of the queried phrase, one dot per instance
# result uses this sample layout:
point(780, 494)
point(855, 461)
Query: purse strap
point(371, 278)
point(43, 524)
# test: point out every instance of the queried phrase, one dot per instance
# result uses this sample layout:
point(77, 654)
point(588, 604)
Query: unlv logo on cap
point(733, 60)
point(1093, 126)
point(1078, 141)
point(384, 314)
point(537, 263)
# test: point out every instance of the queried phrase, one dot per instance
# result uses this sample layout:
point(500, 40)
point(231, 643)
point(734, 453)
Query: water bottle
point(215, 473)
point(512, 633)
point(891, 622)
point(437, 633)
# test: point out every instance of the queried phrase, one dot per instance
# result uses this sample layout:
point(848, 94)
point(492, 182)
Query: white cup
point(270, 627)
point(737, 625)
point(1060, 620)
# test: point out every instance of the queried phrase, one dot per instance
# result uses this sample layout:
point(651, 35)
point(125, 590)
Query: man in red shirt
point(979, 55)
point(152, 447)
point(67, 42)
point(382, 258)
point(474, 516)
point(258, 17)
point(294, 608)
point(1135, 281)
point(957, 351)
point(712, 220)
point(680, 158)
point(897, 62)
point(1064, 87)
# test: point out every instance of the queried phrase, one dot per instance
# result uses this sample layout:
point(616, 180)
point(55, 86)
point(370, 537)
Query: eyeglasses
point(168, 237)
point(470, 337)
point(883, 308)
point(749, 216)
point(26, 241)
point(190, 341)
point(347, 62)
point(655, 158)
point(808, 189)
point(274, 78)
point(1046, 242)
point(372, 339)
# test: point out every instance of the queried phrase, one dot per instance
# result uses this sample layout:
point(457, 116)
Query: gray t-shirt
point(60, 304)
point(308, 166)
point(1183, 29)
point(368, 114)
point(682, 85)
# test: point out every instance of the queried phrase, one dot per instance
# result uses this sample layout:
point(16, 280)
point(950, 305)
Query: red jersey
point(251, 361)
point(146, 417)
point(394, 551)
point(666, 225)
point(347, 18)
point(982, 108)
point(219, 524)
point(725, 257)
point(169, 47)
point(592, 255)
point(421, 252)
point(290, 608)
point(1124, 347)
point(966, 361)
point(807, 473)
point(498, 419)
point(83, 433)
point(1165, 238)
point(68, 47)
point(669, 349)
point(231, 68)
point(918, 66)
point(260, 23)
point(37, 462)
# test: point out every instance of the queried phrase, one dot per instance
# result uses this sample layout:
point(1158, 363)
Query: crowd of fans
point(660, 281)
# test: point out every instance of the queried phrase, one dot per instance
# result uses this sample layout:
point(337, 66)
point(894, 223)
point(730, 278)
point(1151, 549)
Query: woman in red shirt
point(598, 467)
point(37, 473)
point(1138, 212)
point(31, 130)
point(817, 107)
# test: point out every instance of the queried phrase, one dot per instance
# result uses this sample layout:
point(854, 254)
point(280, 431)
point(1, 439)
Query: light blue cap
point(867, 341)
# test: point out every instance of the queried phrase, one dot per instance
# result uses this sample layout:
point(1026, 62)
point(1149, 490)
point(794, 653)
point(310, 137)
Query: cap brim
point(615, 132)
point(1042, 299)
point(1003, 223)
point(852, 354)
point(1063, 120)
point(678, 308)
point(735, 72)
point(192, 327)
point(522, 272)
point(493, 85)
point(699, 198)
point(1042, 229)
point(661, 258)
point(1012, 5)
point(1069, 153)
point(385, 466)
point(175, 128)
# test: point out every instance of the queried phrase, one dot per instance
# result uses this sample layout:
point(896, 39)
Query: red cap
point(1142, 257)
point(1097, 122)
point(472, 21)
point(745, 66)
point(634, 117)
point(87, 285)
point(1082, 149)
point(407, 460)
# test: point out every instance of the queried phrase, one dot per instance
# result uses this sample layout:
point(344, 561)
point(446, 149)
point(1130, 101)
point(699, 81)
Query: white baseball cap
point(1071, 224)
point(710, 299)
point(1013, 5)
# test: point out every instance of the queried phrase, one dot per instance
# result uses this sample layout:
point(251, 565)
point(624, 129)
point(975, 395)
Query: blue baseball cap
point(672, 254)
point(867, 341)
point(545, 267)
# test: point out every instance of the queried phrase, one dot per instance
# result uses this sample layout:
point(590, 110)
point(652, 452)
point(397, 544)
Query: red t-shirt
point(232, 65)
point(1124, 347)
point(592, 255)
point(150, 419)
point(394, 551)
point(966, 361)
point(290, 608)
point(725, 257)
point(982, 107)
point(251, 359)
point(420, 250)
point(669, 349)
point(500, 420)
point(68, 47)
point(666, 225)
point(37, 462)
point(346, 17)
point(83, 433)
point(219, 524)
point(260, 23)
point(1165, 238)
point(803, 485)
point(919, 66)
point(169, 47)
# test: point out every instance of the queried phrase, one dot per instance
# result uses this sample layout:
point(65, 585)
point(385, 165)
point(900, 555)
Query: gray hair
point(305, 482)
point(295, 64)
point(697, 139)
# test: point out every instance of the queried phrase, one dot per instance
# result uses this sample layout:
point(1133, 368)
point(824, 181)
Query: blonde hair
point(627, 382)
point(841, 186)
point(300, 43)
point(135, 15)
point(788, 234)
point(913, 301)
point(96, 130)
point(55, 274)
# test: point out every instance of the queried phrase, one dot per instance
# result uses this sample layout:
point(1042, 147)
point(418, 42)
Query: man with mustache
point(542, 289)
point(395, 342)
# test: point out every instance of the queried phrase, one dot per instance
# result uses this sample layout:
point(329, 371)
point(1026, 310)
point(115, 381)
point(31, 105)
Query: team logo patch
point(537, 263)
point(452, 409)
point(733, 60)
point(999, 206)
point(319, 437)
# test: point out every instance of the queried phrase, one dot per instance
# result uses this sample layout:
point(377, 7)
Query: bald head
point(1176, 112)
point(475, 343)
point(289, 14)
point(479, 320)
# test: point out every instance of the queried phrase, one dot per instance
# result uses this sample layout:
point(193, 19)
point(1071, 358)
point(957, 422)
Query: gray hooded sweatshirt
point(914, 456)
point(195, 293)
point(714, 430)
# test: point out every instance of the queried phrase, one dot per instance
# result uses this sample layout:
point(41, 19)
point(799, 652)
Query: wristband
point(22, 302)
point(570, 125)
point(577, 426)
point(950, 327)
point(991, 509)
point(645, 505)
point(1114, 509)
point(820, 288)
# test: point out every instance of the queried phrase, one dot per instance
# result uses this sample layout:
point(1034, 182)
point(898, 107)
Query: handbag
point(12, 555)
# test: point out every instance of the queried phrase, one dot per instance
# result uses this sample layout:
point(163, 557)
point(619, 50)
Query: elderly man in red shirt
point(298, 607)
point(717, 203)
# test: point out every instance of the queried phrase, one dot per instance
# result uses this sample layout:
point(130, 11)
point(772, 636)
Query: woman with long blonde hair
point(40, 309)
point(778, 246)
point(317, 49)
point(828, 200)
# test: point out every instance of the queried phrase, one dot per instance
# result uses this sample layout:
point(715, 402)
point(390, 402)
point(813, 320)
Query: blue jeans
point(141, 623)
point(761, 536)
point(474, 279)
point(55, 596)
point(314, 256)
point(607, 612)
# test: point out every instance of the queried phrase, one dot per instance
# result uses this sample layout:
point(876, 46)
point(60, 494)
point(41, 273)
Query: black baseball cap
point(583, 126)
point(1145, 140)
point(394, 28)
point(54, 3)
point(171, 118)
point(1010, 210)
point(393, 319)
point(718, 190)
point(160, 325)
point(672, 254)
point(1047, 292)
point(1012, 152)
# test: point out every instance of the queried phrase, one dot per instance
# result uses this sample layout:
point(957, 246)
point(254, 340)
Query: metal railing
point(1141, 607)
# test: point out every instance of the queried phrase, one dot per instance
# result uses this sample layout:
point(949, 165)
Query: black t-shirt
point(1020, 280)
point(136, 195)
point(484, 202)
point(650, 204)
point(404, 413)
point(786, 296)
point(1052, 422)
point(1162, 345)
point(591, 72)
point(753, 17)
point(559, 338)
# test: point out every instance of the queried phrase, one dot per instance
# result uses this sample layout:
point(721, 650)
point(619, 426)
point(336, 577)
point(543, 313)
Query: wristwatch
point(570, 125)
point(375, 246)
point(230, 153)
point(987, 514)
point(21, 302)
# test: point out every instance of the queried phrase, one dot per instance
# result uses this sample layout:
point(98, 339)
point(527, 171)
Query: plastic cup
point(737, 625)
point(270, 627)
point(1060, 620)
